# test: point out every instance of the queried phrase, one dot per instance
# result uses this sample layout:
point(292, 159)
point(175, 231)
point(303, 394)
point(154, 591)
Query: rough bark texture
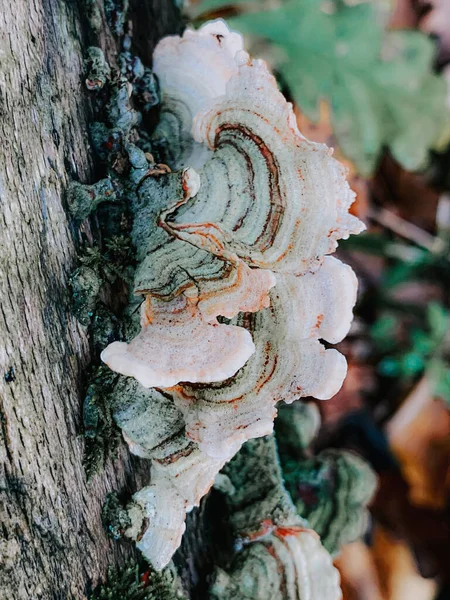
point(52, 544)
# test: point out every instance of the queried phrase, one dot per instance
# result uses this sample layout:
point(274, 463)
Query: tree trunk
point(52, 543)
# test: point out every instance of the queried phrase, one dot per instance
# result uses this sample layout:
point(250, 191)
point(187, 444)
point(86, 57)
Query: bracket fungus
point(168, 329)
point(290, 564)
point(332, 489)
point(239, 231)
point(278, 555)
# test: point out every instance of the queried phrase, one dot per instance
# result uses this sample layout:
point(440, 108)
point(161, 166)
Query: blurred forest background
point(372, 80)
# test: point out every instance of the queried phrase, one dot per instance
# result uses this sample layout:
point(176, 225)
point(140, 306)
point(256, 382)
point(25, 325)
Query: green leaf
point(383, 332)
point(407, 271)
point(367, 242)
point(389, 367)
point(380, 85)
point(411, 364)
point(421, 342)
point(438, 320)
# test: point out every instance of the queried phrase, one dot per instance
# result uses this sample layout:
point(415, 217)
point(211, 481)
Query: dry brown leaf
point(419, 435)
point(426, 531)
point(407, 194)
point(397, 572)
point(385, 571)
point(359, 577)
point(431, 16)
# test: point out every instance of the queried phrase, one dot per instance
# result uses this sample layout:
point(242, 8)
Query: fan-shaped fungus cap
point(176, 344)
point(192, 70)
point(289, 361)
point(290, 564)
point(158, 511)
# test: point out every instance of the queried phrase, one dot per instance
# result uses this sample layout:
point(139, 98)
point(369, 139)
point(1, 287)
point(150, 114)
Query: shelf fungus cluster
point(237, 288)
point(280, 558)
point(331, 489)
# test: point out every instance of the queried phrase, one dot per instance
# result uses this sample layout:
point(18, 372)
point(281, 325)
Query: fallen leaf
point(419, 435)
point(404, 15)
point(397, 570)
point(426, 531)
point(409, 195)
point(359, 380)
point(359, 577)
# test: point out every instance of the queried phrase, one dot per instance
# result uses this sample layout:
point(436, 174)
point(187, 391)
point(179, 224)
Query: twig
point(407, 230)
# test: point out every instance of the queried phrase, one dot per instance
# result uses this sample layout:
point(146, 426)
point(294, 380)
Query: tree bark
point(52, 543)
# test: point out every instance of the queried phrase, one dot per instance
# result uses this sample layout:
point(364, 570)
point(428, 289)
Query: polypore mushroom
point(180, 475)
point(280, 201)
point(157, 512)
point(290, 564)
point(192, 70)
point(161, 356)
point(244, 238)
point(281, 557)
point(330, 490)
point(289, 361)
